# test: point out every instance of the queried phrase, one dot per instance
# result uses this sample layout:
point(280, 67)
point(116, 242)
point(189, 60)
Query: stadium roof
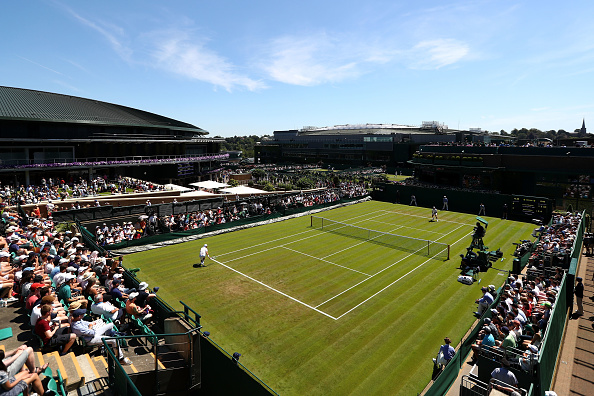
point(30, 105)
point(369, 129)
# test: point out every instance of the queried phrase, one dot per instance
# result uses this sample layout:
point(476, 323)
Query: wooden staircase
point(84, 374)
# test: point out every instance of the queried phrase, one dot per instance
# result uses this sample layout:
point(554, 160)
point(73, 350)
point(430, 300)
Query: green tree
point(305, 183)
point(233, 183)
point(258, 173)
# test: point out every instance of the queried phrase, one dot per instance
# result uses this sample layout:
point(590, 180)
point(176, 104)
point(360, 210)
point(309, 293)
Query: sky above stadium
point(252, 67)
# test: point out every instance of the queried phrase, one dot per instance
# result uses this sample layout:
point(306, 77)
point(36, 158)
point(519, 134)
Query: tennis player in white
point(203, 254)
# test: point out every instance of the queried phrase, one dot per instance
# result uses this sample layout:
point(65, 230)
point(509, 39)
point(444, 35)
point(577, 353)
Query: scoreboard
point(531, 206)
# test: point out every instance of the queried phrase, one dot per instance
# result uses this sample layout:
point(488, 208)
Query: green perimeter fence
point(464, 201)
point(550, 346)
point(168, 236)
point(220, 373)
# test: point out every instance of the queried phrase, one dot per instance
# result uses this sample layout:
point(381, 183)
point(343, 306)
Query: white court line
point(264, 243)
point(357, 244)
point(410, 228)
point(285, 237)
point(414, 269)
point(424, 217)
point(283, 245)
point(382, 270)
point(274, 247)
point(326, 261)
point(273, 289)
point(271, 248)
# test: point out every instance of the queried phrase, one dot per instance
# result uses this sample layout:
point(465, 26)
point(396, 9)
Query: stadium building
point(45, 134)
point(561, 173)
point(353, 145)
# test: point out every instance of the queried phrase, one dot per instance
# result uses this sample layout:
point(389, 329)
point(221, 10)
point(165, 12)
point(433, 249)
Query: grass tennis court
point(317, 312)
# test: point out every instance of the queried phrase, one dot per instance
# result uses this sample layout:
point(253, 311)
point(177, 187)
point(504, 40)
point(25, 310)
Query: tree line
point(534, 133)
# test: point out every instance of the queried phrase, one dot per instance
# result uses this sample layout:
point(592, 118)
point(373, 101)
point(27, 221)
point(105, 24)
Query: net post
point(428, 249)
point(448, 252)
point(311, 221)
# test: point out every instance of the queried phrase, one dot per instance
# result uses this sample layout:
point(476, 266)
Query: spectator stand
point(540, 378)
point(171, 352)
point(250, 210)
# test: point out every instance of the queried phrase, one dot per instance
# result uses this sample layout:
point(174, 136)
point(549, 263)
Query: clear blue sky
point(252, 67)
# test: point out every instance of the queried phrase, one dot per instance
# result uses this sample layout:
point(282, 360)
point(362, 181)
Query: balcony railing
point(109, 161)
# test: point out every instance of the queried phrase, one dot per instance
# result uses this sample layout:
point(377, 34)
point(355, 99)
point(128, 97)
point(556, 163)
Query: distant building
point(583, 129)
point(45, 134)
point(352, 145)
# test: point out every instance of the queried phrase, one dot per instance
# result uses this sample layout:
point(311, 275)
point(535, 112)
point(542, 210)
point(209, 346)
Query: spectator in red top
point(34, 295)
point(53, 335)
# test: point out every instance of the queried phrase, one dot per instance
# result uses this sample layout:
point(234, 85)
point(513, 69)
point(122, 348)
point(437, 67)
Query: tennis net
point(417, 246)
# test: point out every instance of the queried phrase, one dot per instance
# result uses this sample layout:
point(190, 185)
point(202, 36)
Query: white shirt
point(104, 308)
point(203, 251)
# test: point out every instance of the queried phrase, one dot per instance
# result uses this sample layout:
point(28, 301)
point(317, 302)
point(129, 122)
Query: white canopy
point(209, 184)
point(176, 187)
point(240, 190)
point(199, 193)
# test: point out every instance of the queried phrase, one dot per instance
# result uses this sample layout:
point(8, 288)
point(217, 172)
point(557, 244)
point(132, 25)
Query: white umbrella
point(209, 184)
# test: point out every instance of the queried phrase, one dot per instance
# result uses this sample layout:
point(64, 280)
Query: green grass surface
point(397, 177)
point(313, 312)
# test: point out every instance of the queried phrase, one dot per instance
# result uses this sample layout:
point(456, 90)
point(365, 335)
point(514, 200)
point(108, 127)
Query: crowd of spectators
point(492, 144)
point(514, 332)
point(555, 241)
point(472, 183)
point(304, 178)
point(61, 284)
point(54, 190)
point(579, 188)
point(149, 225)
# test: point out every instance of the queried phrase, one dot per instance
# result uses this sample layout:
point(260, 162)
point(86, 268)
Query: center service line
point(414, 269)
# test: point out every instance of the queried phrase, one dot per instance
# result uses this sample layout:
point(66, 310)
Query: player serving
point(203, 255)
point(434, 214)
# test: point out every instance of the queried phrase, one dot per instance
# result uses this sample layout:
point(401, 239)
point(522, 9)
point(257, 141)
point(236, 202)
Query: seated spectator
point(6, 291)
point(115, 290)
point(509, 341)
point(505, 376)
point(133, 309)
point(492, 324)
point(484, 302)
point(16, 359)
point(90, 290)
point(14, 380)
point(535, 341)
point(34, 295)
point(143, 295)
point(529, 358)
point(57, 311)
point(53, 334)
point(94, 332)
point(487, 340)
point(101, 307)
point(65, 292)
point(445, 354)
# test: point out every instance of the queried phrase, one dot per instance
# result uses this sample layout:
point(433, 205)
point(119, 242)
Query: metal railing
point(110, 161)
point(120, 381)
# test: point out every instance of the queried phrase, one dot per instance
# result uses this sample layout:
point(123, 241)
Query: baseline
point(410, 228)
point(275, 290)
point(279, 239)
point(424, 217)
